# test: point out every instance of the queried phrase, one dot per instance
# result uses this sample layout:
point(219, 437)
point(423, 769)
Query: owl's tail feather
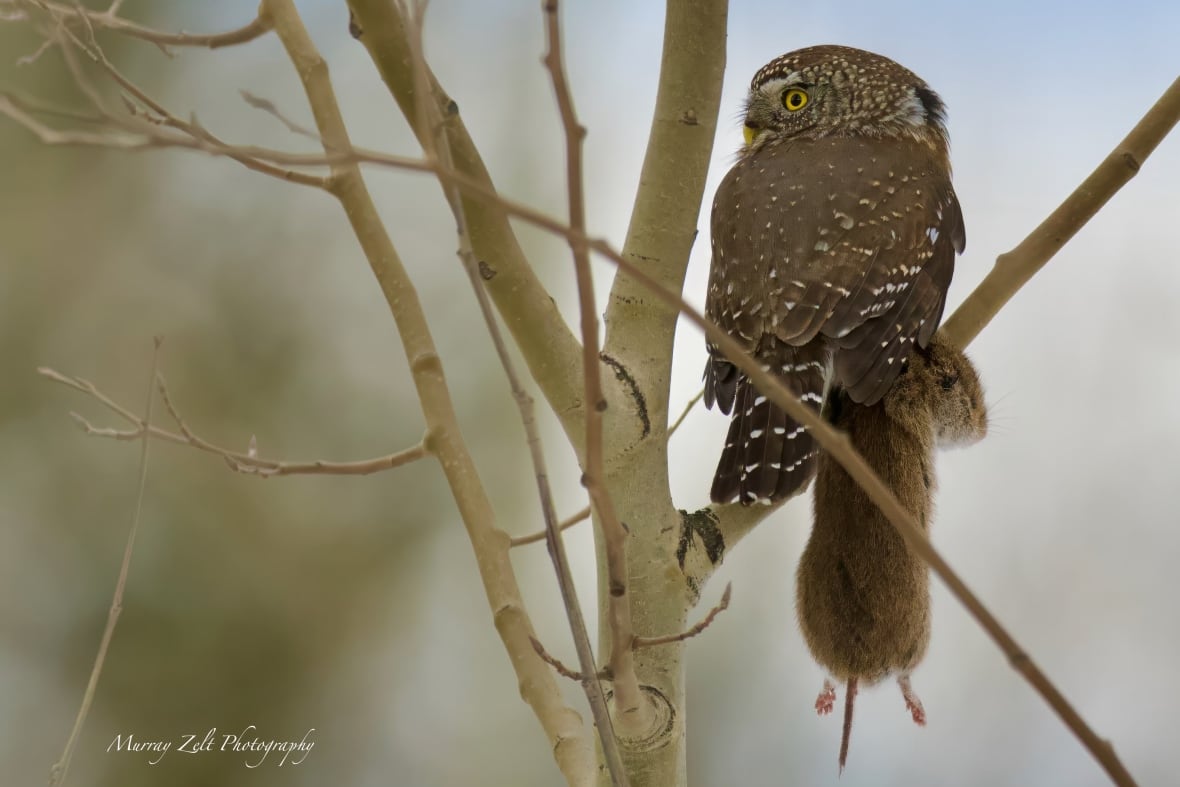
point(767, 456)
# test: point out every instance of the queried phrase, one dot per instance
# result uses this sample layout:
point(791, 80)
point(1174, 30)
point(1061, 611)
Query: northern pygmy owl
point(834, 238)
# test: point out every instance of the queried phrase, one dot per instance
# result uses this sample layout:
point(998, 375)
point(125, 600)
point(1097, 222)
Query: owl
point(834, 238)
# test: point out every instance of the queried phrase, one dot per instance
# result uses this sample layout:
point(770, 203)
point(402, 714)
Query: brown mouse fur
point(863, 599)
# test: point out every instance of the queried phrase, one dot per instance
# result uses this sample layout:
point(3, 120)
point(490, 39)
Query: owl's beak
point(749, 132)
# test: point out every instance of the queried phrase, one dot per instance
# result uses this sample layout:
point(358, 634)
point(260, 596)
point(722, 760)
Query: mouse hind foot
point(826, 699)
point(912, 703)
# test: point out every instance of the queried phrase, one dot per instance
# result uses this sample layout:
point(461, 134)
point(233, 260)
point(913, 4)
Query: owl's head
point(826, 91)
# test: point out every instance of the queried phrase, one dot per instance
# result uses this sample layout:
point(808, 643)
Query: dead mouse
point(863, 599)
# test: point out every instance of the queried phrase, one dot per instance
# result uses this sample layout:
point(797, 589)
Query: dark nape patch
point(624, 376)
point(935, 109)
point(703, 524)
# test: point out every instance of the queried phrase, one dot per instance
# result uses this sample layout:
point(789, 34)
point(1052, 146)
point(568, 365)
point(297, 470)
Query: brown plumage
point(833, 239)
point(863, 598)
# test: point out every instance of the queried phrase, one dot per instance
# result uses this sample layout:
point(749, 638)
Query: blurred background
point(352, 605)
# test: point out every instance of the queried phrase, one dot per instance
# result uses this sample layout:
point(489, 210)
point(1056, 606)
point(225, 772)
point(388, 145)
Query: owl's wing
point(903, 304)
point(851, 237)
point(871, 244)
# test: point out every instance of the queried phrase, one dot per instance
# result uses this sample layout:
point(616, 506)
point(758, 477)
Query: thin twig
point(561, 668)
point(134, 133)
point(33, 105)
point(632, 710)
point(722, 605)
point(563, 525)
point(268, 106)
point(585, 512)
point(189, 128)
point(238, 461)
point(61, 768)
point(35, 55)
point(438, 147)
point(1013, 269)
point(108, 20)
point(62, 34)
point(687, 409)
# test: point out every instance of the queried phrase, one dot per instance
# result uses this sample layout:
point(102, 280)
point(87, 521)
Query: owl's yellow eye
point(749, 132)
point(795, 99)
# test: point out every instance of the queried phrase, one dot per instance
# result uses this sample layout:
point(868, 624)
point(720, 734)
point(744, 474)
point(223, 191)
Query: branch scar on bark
point(624, 376)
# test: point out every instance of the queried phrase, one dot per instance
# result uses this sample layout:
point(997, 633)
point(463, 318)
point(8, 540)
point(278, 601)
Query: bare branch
point(15, 109)
point(723, 604)
point(35, 55)
point(10, 107)
point(563, 525)
point(247, 462)
point(192, 129)
point(132, 135)
point(61, 768)
point(633, 713)
point(36, 106)
point(1013, 269)
point(139, 131)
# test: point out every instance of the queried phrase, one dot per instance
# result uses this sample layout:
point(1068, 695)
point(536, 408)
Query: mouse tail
point(849, 699)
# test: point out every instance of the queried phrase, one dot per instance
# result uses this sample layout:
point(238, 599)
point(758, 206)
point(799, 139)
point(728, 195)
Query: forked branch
point(243, 462)
point(548, 346)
